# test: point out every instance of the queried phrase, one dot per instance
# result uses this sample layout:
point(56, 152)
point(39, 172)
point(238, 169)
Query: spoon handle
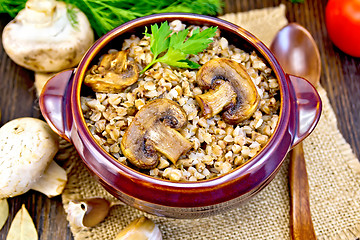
point(301, 225)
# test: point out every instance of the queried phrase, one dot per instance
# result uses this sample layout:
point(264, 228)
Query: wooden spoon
point(298, 54)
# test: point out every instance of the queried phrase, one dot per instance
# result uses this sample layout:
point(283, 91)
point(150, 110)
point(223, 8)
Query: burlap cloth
point(334, 178)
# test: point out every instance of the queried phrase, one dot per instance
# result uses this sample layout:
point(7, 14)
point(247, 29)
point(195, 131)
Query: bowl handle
point(306, 106)
point(53, 103)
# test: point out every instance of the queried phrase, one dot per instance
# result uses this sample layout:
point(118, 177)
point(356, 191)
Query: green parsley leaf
point(198, 41)
point(175, 58)
point(159, 40)
point(177, 39)
point(174, 47)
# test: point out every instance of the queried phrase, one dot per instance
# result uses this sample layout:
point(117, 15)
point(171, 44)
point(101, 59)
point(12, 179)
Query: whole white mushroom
point(27, 148)
point(47, 36)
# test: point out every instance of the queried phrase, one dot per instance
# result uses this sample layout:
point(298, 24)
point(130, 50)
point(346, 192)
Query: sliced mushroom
point(113, 74)
point(153, 130)
point(231, 90)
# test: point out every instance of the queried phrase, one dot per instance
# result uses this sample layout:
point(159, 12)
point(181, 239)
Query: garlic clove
point(88, 212)
point(140, 229)
point(52, 182)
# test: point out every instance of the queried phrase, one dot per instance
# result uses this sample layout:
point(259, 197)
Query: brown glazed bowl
point(299, 113)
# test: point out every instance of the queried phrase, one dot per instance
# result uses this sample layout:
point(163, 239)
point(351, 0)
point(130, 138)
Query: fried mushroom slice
point(153, 130)
point(113, 74)
point(231, 91)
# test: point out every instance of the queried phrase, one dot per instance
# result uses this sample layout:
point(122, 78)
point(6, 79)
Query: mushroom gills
point(113, 74)
point(154, 130)
point(226, 78)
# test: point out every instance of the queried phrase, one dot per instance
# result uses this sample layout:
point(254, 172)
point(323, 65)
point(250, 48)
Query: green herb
point(11, 7)
point(297, 1)
point(107, 14)
point(71, 14)
point(175, 47)
point(104, 15)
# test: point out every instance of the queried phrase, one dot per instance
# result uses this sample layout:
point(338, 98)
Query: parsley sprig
point(173, 48)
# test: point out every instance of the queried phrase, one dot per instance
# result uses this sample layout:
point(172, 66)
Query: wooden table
point(340, 77)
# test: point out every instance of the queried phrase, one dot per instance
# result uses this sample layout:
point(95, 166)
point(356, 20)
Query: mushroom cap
point(27, 146)
point(41, 37)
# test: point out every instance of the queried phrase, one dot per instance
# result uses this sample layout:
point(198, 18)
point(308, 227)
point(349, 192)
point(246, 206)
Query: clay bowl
point(299, 113)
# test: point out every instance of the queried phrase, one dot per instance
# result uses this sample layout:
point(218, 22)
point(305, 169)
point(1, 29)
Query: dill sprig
point(104, 15)
point(12, 7)
point(71, 14)
point(107, 14)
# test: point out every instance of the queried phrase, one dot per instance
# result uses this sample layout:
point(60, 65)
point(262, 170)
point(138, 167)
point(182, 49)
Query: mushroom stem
point(169, 142)
point(52, 182)
point(214, 101)
point(40, 11)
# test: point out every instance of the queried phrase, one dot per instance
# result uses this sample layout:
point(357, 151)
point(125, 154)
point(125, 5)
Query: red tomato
point(343, 24)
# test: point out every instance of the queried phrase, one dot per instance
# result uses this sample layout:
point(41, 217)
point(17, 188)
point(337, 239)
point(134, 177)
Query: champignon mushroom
point(43, 39)
point(231, 90)
point(113, 74)
point(153, 130)
point(27, 148)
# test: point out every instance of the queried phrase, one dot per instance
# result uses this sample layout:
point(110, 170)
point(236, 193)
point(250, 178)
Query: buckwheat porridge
point(169, 124)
